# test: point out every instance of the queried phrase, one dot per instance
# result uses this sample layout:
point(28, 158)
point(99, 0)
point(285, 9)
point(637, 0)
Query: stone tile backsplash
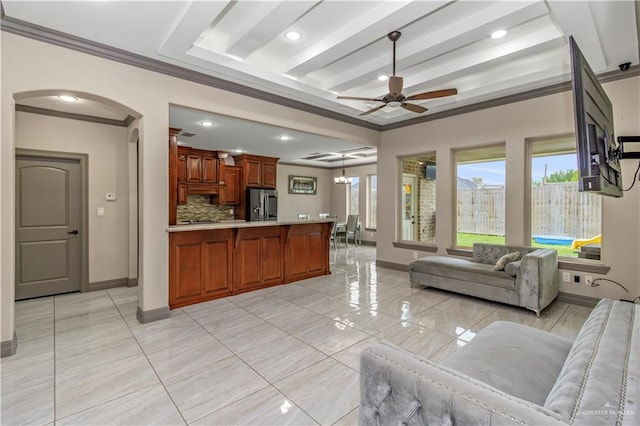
point(198, 208)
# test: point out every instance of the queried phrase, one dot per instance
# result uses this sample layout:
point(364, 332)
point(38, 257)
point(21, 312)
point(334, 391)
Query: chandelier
point(342, 180)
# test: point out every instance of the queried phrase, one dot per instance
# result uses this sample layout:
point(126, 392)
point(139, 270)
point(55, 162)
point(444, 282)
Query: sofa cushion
point(502, 262)
point(462, 269)
point(519, 360)
point(512, 268)
point(490, 253)
point(599, 383)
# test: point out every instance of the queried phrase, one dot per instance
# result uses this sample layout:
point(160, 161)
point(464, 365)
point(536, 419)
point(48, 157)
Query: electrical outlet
point(576, 279)
point(566, 277)
point(588, 279)
point(415, 254)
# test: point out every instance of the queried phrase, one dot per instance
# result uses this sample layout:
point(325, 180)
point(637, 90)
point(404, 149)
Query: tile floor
point(284, 355)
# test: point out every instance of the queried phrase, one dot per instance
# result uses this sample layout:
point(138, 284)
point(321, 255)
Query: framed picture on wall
point(303, 185)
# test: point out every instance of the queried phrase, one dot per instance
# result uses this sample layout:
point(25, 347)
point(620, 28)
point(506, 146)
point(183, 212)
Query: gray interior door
point(48, 219)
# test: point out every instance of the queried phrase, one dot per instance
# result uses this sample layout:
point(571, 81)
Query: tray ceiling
point(343, 47)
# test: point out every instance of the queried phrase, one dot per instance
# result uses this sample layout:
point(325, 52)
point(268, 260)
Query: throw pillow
point(509, 257)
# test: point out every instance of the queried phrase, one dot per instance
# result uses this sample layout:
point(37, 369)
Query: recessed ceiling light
point(207, 123)
point(238, 150)
point(498, 34)
point(383, 77)
point(68, 98)
point(284, 138)
point(293, 35)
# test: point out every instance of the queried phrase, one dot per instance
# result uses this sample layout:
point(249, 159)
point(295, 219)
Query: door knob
point(74, 232)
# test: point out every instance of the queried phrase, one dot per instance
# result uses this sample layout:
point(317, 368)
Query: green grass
point(467, 240)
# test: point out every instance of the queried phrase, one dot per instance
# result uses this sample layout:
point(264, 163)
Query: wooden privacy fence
point(557, 209)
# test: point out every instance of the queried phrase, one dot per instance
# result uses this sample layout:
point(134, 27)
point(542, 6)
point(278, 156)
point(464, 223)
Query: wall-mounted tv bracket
point(628, 139)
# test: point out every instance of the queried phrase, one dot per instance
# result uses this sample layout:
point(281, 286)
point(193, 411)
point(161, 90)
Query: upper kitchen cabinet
point(258, 171)
point(230, 193)
point(201, 166)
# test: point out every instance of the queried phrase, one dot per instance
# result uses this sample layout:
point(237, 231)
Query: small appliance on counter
point(262, 204)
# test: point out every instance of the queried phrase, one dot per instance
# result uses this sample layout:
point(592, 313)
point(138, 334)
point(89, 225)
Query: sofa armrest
point(397, 387)
point(537, 281)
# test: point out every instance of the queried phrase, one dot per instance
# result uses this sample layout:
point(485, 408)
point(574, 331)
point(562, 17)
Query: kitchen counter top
point(232, 225)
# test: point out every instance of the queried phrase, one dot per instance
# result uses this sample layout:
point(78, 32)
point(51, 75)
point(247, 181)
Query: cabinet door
point(269, 175)
point(182, 194)
point(253, 172)
point(209, 170)
point(232, 179)
point(194, 168)
point(217, 274)
point(182, 166)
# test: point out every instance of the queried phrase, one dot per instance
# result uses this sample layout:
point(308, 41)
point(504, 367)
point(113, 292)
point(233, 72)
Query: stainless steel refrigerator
point(262, 204)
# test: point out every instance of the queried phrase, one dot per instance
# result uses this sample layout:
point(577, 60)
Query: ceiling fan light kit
point(395, 97)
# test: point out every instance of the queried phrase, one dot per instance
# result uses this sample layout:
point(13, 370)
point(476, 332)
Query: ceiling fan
point(395, 97)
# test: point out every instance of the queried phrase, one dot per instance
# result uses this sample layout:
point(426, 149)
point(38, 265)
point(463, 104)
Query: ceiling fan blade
point(355, 98)
point(414, 108)
point(373, 109)
point(395, 84)
point(433, 94)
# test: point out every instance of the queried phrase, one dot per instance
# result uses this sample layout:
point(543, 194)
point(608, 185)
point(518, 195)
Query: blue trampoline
point(553, 240)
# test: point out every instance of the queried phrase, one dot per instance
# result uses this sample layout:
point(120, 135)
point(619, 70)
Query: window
point(480, 196)
point(559, 212)
point(354, 195)
point(418, 203)
point(372, 200)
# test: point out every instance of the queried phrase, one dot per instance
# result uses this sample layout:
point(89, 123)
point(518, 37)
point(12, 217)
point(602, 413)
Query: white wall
point(513, 124)
point(108, 169)
point(148, 95)
point(289, 205)
point(339, 195)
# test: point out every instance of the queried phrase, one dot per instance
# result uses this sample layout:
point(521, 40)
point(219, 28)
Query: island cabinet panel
point(306, 251)
point(200, 266)
point(211, 263)
point(217, 274)
point(259, 258)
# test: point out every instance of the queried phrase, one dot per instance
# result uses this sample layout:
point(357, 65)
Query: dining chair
point(351, 229)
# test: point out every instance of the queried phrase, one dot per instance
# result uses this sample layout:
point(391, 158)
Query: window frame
point(528, 179)
point(369, 210)
point(455, 248)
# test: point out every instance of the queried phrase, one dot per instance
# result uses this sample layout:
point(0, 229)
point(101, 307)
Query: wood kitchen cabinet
point(259, 258)
point(259, 171)
point(305, 250)
point(230, 192)
point(202, 167)
point(200, 266)
point(211, 263)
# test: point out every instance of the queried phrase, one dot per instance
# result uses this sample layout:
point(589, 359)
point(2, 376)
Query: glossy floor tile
point(286, 355)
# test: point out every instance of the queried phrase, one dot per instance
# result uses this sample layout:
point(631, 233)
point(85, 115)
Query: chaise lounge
point(530, 282)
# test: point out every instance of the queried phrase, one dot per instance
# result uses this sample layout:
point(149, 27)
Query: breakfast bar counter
point(213, 260)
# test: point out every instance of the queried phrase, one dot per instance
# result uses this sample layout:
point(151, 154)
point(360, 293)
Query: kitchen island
point(213, 260)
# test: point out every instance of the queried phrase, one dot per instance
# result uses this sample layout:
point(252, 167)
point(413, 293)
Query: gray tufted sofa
point(531, 282)
point(513, 374)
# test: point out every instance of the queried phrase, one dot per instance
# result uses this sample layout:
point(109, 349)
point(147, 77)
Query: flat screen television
point(430, 170)
point(597, 149)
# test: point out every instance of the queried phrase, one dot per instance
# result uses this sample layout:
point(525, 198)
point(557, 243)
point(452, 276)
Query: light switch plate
point(100, 211)
point(110, 196)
